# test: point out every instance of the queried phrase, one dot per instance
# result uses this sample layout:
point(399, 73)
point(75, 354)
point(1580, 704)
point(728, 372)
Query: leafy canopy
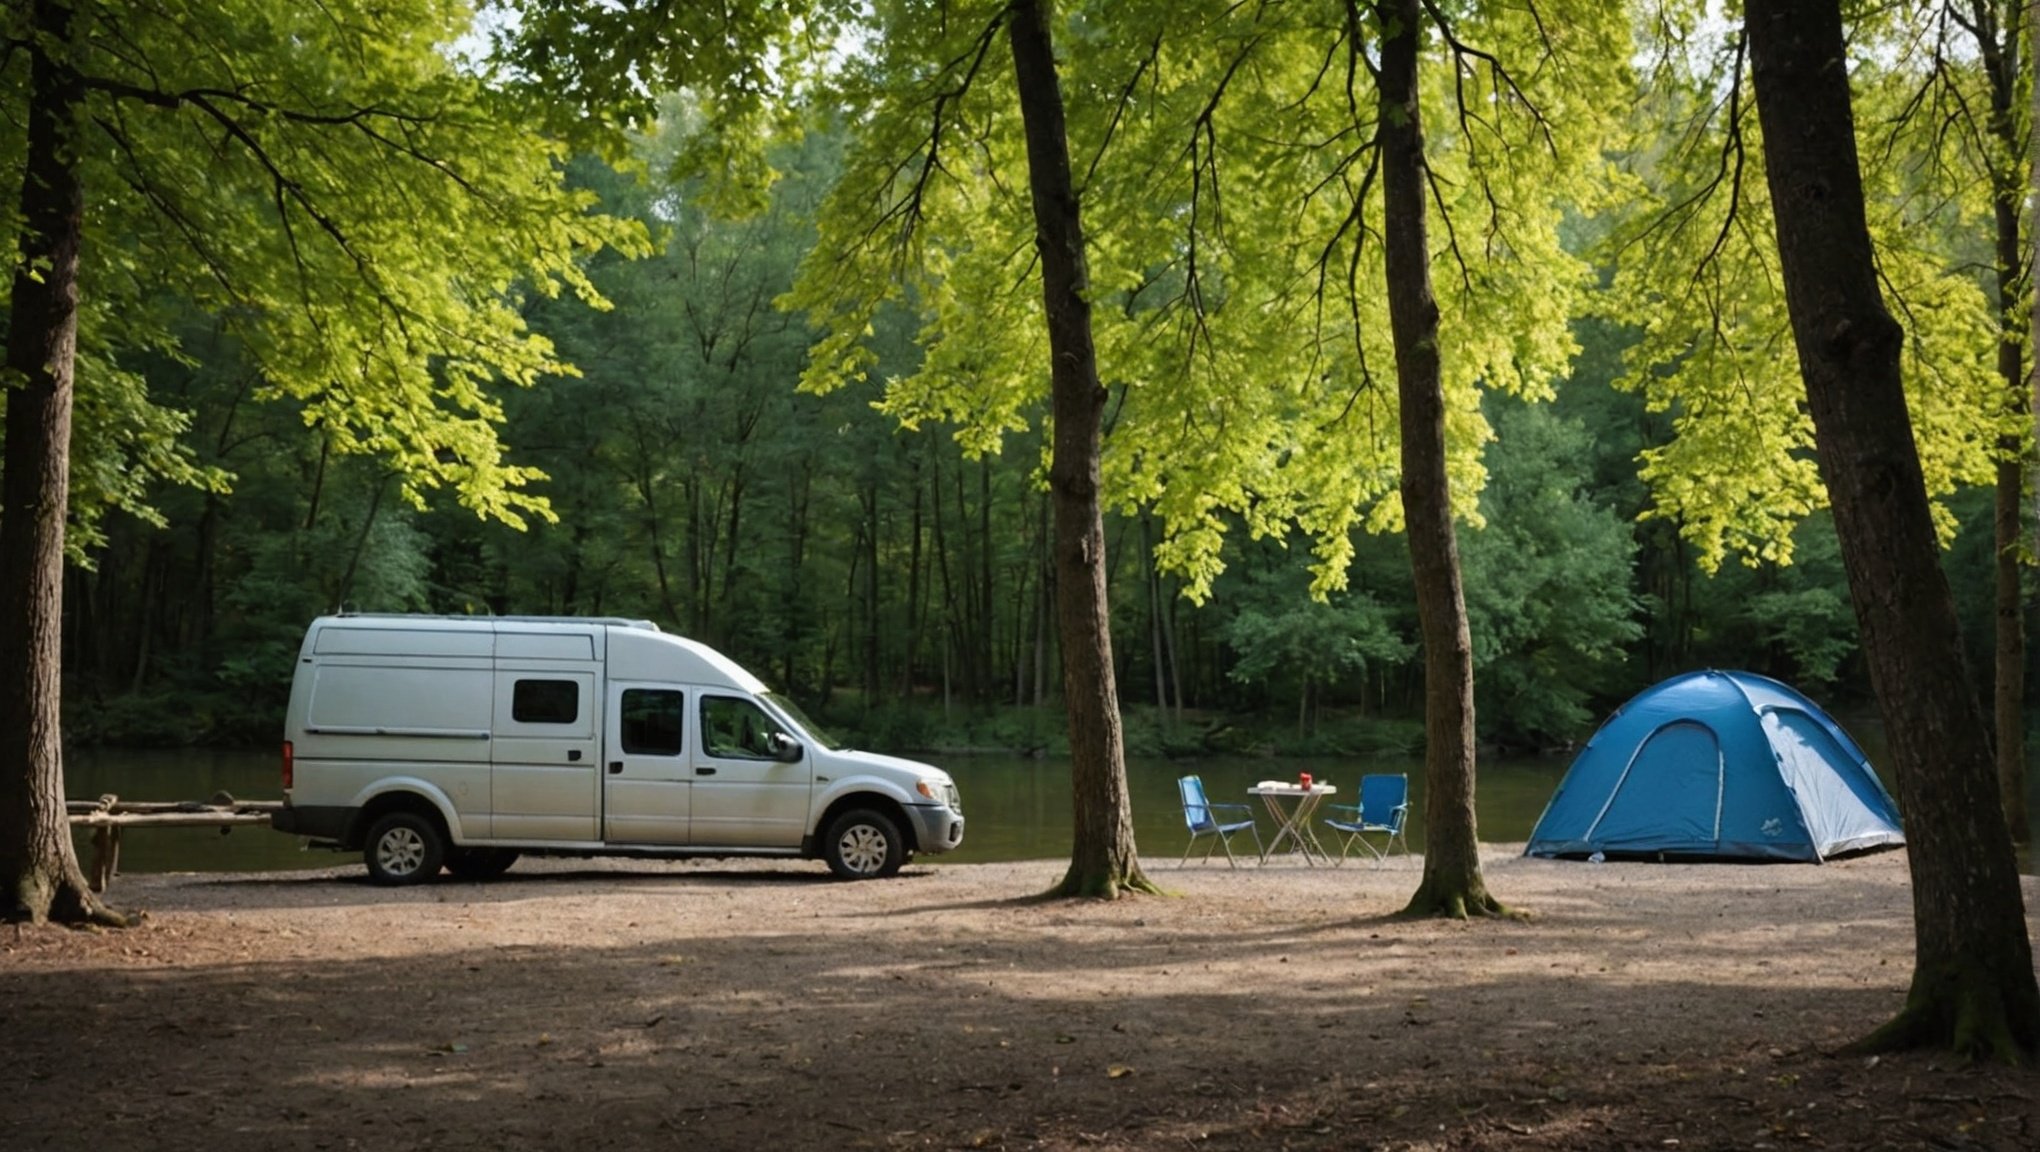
point(1695, 268)
point(362, 215)
point(1227, 166)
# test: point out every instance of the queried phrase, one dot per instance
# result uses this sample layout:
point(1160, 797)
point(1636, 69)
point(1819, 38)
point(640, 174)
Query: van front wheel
point(864, 845)
point(403, 848)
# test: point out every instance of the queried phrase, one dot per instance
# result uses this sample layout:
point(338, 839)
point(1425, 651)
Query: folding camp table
point(1292, 807)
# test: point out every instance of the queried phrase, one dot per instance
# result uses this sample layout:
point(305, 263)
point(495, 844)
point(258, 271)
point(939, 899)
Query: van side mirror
point(783, 748)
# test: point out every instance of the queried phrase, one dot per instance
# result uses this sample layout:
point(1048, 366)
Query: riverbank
point(713, 1005)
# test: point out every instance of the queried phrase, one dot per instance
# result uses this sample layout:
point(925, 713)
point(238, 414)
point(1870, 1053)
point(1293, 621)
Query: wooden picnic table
point(109, 816)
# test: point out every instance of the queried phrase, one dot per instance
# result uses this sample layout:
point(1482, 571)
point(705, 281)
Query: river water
point(1017, 808)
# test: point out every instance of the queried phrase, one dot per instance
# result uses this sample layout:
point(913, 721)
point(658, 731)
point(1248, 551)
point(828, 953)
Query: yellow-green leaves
point(1695, 273)
point(1225, 159)
point(357, 211)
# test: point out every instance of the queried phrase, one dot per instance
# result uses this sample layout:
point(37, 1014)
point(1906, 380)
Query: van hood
point(878, 761)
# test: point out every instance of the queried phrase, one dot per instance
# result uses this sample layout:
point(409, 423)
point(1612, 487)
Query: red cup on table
point(1303, 781)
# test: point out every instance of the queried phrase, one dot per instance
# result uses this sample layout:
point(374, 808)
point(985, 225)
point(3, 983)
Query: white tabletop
point(1266, 789)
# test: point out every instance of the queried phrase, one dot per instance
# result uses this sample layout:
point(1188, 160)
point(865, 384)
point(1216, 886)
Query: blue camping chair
point(1384, 805)
point(1207, 819)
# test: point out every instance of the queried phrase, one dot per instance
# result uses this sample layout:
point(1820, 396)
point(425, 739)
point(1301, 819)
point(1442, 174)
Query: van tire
point(480, 863)
point(864, 845)
point(403, 848)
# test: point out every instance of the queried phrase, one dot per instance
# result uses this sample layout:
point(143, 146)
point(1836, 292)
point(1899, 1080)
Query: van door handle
point(704, 771)
point(615, 766)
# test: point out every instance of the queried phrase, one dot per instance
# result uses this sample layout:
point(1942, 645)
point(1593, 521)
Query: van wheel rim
point(863, 849)
point(401, 851)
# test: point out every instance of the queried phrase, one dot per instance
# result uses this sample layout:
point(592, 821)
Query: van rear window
point(545, 702)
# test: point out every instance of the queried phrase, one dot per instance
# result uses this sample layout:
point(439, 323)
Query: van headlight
point(940, 792)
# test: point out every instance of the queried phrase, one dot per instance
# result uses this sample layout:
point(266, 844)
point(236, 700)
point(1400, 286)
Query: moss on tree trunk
point(1961, 1005)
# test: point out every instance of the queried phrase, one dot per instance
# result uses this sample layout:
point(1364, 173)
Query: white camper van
point(461, 741)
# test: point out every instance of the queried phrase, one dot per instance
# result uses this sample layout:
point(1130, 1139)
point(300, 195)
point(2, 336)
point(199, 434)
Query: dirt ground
point(730, 1005)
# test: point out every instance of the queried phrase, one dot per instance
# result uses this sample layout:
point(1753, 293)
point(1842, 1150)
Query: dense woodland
point(1361, 367)
point(896, 579)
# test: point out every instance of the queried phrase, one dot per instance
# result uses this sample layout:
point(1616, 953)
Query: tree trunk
point(1973, 987)
point(1103, 860)
point(1452, 883)
point(732, 546)
point(2012, 792)
point(1044, 599)
point(868, 675)
point(39, 875)
point(794, 606)
point(1998, 34)
point(987, 619)
point(911, 642)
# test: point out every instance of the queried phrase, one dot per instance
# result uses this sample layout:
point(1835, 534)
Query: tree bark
point(867, 606)
point(1973, 987)
point(1999, 42)
point(2012, 792)
point(39, 875)
point(1103, 860)
point(1452, 884)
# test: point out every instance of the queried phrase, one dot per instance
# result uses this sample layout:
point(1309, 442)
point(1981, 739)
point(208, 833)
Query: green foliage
point(1233, 219)
point(594, 75)
point(1694, 270)
point(1548, 582)
point(357, 212)
point(1278, 633)
point(874, 575)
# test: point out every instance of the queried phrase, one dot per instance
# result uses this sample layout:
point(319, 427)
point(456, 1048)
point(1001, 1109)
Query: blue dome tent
point(1718, 765)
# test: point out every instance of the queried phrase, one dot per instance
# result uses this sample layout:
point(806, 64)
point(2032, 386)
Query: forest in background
point(897, 582)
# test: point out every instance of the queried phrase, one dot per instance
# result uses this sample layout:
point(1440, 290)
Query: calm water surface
point(1018, 809)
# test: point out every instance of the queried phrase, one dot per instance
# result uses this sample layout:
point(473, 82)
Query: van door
point(647, 774)
point(544, 782)
point(743, 796)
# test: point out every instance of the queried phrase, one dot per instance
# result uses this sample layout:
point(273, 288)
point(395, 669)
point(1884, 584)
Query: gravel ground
point(728, 1004)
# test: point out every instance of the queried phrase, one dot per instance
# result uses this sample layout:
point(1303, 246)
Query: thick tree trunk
point(1999, 42)
point(1452, 883)
point(39, 874)
point(2012, 789)
point(1973, 987)
point(1103, 861)
point(2009, 684)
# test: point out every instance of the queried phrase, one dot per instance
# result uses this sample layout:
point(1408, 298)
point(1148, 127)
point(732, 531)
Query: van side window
point(545, 701)
point(735, 728)
point(654, 722)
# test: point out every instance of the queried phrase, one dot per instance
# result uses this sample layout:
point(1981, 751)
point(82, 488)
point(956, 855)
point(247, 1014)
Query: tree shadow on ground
point(619, 1010)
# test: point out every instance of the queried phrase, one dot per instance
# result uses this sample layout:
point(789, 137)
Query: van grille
point(955, 799)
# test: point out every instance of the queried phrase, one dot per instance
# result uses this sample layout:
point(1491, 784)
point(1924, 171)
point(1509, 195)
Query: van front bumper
point(938, 828)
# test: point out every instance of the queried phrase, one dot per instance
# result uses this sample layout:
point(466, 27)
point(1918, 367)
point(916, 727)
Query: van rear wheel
point(403, 848)
point(864, 845)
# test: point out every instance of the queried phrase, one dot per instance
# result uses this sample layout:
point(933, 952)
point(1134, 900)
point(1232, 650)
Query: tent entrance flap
point(1675, 776)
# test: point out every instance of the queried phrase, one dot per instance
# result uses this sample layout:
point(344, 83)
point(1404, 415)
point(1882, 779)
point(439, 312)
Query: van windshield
point(821, 735)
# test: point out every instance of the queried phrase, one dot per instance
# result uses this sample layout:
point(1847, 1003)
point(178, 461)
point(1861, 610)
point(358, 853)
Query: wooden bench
point(109, 816)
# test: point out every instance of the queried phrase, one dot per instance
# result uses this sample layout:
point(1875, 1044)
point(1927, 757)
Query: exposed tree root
point(1107, 885)
point(1457, 903)
point(42, 899)
point(1962, 1008)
